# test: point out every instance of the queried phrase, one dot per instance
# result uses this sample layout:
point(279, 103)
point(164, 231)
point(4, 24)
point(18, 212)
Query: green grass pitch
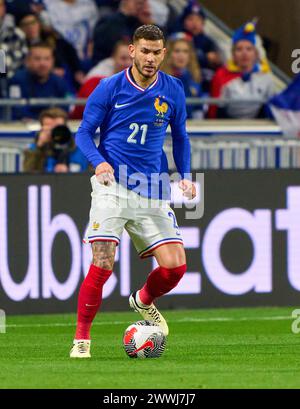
point(228, 348)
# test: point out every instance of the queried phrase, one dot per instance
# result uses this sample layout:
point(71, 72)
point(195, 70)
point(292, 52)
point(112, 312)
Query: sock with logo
point(89, 300)
point(159, 282)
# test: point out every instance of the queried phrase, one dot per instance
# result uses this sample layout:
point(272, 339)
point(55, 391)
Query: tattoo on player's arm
point(104, 254)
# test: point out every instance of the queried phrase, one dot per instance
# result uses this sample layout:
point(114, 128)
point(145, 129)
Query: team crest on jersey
point(162, 108)
point(96, 225)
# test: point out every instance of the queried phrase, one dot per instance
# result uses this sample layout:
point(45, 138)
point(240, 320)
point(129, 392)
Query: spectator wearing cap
point(245, 76)
point(54, 147)
point(192, 22)
point(36, 80)
point(12, 42)
point(67, 64)
point(181, 62)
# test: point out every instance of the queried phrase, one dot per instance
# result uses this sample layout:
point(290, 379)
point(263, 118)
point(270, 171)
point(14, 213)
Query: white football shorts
point(149, 222)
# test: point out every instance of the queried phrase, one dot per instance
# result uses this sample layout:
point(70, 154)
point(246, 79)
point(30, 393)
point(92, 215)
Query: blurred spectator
point(36, 81)
point(153, 12)
point(259, 44)
point(245, 76)
point(119, 61)
point(54, 148)
point(193, 23)
point(75, 20)
point(144, 12)
point(119, 26)
point(12, 41)
point(181, 62)
point(67, 64)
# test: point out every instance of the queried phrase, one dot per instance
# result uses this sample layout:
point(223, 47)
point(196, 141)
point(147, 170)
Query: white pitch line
point(224, 319)
point(181, 320)
point(60, 324)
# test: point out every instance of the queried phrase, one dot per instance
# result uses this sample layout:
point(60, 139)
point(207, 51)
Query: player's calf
point(90, 294)
point(161, 281)
point(89, 300)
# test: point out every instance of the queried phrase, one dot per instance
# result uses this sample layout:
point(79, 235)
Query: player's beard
point(142, 73)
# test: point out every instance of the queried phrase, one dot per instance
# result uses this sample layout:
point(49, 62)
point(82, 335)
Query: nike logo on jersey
point(121, 105)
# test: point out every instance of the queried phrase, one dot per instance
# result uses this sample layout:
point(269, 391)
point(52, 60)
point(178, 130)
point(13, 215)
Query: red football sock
point(161, 281)
point(89, 300)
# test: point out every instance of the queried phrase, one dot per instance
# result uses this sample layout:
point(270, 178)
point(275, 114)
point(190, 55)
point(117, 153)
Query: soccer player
point(133, 110)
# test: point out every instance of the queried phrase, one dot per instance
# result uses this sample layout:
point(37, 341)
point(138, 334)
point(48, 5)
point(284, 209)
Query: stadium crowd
point(62, 48)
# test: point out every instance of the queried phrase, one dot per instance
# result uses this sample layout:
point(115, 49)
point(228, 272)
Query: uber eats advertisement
point(243, 247)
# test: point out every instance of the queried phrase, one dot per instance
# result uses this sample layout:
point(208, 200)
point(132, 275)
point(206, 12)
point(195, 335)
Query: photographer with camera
point(54, 148)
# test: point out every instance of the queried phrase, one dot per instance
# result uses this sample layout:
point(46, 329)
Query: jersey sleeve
point(181, 142)
point(95, 111)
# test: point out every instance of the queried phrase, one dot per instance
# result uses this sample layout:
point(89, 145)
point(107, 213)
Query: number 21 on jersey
point(136, 129)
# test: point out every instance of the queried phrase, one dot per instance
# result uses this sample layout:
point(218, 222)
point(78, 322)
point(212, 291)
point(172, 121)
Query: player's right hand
point(105, 174)
point(188, 188)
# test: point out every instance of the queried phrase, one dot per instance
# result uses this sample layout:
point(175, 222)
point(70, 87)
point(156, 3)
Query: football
point(144, 339)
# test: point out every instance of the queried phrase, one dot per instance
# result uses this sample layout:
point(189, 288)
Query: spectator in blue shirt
point(54, 147)
point(36, 80)
point(67, 64)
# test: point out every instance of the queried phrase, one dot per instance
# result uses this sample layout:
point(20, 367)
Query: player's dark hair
point(149, 32)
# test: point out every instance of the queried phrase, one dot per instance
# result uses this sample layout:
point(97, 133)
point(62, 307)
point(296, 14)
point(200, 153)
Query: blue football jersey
point(133, 122)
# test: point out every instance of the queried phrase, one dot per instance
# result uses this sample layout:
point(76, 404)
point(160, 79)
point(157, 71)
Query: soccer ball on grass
point(144, 339)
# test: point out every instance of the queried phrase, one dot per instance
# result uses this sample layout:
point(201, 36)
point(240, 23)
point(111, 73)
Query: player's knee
point(174, 259)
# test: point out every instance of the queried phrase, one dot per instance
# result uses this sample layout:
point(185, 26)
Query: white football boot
point(148, 312)
point(81, 349)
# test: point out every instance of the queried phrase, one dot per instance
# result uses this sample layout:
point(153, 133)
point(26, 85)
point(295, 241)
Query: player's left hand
point(188, 188)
